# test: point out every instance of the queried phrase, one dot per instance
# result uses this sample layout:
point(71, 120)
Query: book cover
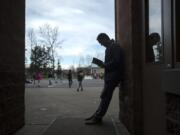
point(98, 62)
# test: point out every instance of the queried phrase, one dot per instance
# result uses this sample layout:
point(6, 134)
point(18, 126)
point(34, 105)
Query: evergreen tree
point(40, 58)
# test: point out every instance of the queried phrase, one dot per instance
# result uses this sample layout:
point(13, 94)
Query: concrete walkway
point(61, 111)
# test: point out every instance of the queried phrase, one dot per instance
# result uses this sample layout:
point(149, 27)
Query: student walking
point(69, 75)
point(80, 76)
point(50, 77)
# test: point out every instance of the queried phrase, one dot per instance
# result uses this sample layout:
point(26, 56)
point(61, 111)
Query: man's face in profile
point(104, 42)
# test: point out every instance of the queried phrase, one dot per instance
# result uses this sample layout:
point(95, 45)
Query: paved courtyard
point(61, 110)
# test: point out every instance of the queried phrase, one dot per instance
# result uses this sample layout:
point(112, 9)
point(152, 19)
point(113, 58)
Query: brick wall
point(172, 114)
point(129, 34)
point(12, 23)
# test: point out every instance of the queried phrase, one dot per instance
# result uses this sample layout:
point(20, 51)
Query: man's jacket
point(114, 63)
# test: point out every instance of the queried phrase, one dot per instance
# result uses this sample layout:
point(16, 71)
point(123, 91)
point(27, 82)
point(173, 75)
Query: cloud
point(79, 22)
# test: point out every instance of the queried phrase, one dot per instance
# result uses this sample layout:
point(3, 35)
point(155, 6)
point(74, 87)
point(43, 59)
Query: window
point(154, 41)
point(177, 31)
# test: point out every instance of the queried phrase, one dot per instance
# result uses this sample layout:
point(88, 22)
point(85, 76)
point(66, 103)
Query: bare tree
point(32, 38)
point(81, 61)
point(49, 37)
point(88, 60)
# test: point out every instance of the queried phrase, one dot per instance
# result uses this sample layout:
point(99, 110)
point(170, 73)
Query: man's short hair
point(103, 36)
point(155, 37)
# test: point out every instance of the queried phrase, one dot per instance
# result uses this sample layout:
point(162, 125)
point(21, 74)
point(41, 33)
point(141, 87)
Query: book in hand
point(98, 62)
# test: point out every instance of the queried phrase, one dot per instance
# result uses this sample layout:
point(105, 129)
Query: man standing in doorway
point(114, 66)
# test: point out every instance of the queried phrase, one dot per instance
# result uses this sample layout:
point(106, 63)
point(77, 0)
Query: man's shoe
point(94, 121)
point(90, 118)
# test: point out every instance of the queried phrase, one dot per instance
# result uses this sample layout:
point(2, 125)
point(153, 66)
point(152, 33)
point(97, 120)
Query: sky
point(155, 16)
point(78, 21)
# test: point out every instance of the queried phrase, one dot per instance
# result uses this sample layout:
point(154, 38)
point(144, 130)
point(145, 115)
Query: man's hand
point(98, 62)
point(101, 64)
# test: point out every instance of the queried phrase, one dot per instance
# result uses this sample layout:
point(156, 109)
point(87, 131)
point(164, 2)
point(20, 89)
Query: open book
point(98, 62)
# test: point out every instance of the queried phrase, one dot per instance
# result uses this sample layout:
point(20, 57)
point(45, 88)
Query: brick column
point(12, 30)
point(129, 34)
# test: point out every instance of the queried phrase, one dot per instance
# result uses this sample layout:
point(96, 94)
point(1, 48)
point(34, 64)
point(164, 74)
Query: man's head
point(154, 38)
point(103, 39)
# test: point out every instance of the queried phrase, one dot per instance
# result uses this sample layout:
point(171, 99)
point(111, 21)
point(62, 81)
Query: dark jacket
point(114, 63)
point(69, 75)
point(80, 76)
